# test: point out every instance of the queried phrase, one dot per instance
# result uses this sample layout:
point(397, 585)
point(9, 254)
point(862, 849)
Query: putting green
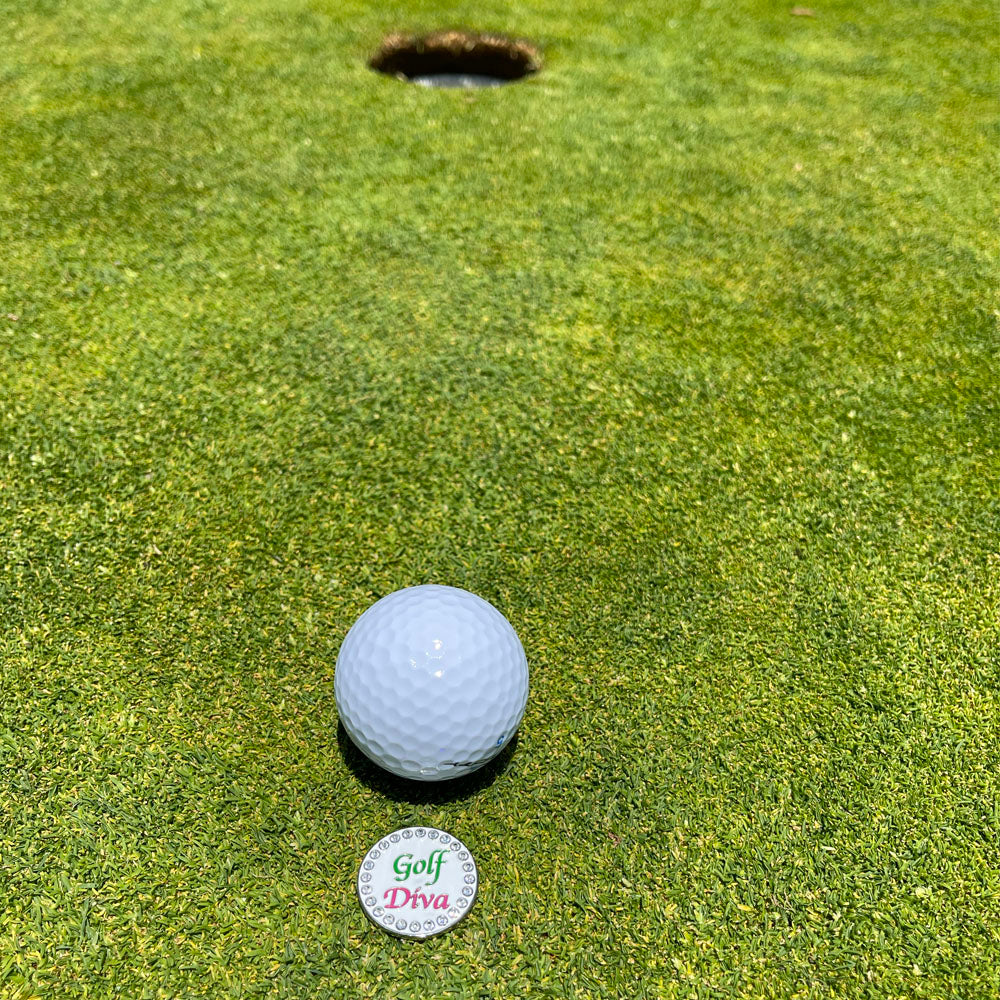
point(682, 352)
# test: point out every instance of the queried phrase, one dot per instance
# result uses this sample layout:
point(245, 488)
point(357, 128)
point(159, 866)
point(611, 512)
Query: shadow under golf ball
point(421, 792)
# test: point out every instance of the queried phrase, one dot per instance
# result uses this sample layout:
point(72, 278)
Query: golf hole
point(456, 59)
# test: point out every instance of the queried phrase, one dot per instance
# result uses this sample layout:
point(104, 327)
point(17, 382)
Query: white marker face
point(417, 882)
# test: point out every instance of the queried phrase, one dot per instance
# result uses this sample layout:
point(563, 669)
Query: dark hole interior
point(455, 53)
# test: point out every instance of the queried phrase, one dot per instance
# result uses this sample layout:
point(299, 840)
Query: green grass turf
point(683, 353)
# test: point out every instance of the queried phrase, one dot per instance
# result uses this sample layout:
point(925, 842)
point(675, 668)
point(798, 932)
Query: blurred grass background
point(683, 353)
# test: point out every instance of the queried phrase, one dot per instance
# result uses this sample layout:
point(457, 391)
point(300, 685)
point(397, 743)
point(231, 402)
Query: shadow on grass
point(421, 792)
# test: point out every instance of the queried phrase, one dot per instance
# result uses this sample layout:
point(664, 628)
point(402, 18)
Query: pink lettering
point(399, 896)
point(392, 895)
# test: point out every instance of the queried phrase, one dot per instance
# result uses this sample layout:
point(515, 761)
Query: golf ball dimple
point(431, 682)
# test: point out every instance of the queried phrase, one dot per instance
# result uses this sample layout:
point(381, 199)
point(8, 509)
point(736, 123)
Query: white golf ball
point(431, 682)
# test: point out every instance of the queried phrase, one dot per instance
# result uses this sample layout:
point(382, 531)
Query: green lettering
point(402, 868)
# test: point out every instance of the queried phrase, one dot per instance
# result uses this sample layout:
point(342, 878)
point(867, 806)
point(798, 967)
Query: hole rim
point(411, 57)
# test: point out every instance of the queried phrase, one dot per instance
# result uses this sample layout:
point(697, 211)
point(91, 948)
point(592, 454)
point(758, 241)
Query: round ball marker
point(417, 882)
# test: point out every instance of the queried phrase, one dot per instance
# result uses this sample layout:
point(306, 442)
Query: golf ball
point(431, 682)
